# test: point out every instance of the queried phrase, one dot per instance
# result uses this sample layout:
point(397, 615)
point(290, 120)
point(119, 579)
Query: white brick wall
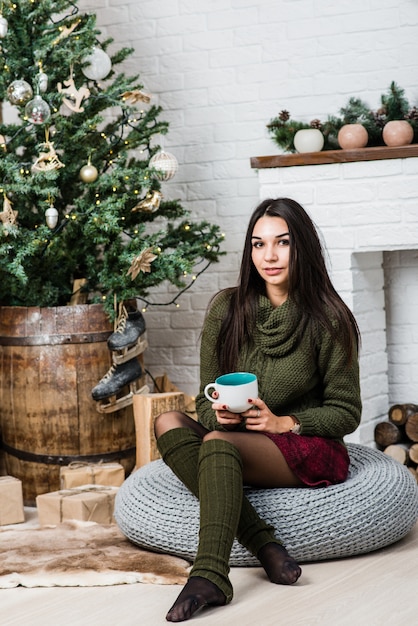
point(222, 69)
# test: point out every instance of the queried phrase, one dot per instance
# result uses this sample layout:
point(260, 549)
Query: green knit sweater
point(318, 388)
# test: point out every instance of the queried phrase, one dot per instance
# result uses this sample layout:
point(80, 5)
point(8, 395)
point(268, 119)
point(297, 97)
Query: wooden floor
point(377, 589)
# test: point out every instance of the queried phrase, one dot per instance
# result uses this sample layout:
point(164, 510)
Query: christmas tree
point(81, 170)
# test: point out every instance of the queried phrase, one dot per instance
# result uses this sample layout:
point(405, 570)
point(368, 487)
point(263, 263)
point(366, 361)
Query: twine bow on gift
point(74, 465)
point(64, 493)
point(84, 465)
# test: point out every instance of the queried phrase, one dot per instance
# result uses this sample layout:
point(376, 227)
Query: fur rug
point(81, 554)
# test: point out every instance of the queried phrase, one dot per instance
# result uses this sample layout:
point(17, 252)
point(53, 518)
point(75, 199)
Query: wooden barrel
point(50, 359)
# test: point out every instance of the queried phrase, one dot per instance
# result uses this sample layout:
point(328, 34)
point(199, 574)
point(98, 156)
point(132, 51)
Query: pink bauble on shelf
point(352, 136)
point(398, 133)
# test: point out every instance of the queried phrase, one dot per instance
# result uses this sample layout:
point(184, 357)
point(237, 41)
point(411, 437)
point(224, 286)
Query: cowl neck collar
point(278, 329)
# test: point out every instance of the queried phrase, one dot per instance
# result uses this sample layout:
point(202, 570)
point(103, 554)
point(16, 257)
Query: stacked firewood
point(398, 437)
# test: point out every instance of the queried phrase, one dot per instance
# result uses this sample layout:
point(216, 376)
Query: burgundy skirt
point(316, 461)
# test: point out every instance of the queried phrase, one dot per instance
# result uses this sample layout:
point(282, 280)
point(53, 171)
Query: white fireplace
point(367, 214)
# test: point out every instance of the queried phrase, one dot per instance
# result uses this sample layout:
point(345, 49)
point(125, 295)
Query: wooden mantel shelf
point(335, 156)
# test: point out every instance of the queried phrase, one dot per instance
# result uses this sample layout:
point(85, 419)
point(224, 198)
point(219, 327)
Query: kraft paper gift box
point(77, 474)
point(11, 501)
point(90, 503)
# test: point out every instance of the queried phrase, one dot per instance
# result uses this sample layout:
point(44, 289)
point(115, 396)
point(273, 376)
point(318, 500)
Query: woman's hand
point(224, 417)
point(261, 419)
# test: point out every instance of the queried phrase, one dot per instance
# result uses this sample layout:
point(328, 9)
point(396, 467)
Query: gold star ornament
point(142, 263)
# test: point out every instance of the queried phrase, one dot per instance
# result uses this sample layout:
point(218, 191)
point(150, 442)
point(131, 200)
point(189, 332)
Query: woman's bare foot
point(197, 593)
point(279, 566)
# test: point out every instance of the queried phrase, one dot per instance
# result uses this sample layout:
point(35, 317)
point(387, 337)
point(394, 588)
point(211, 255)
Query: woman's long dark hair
point(309, 286)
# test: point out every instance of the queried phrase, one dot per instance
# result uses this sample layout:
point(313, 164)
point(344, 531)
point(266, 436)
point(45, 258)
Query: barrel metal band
point(55, 340)
point(50, 459)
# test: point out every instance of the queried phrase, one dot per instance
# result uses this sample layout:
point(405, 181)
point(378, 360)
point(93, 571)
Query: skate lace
point(109, 374)
point(121, 321)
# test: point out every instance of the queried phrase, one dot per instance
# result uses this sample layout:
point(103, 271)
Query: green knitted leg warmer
point(220, 495)
point(180, 449)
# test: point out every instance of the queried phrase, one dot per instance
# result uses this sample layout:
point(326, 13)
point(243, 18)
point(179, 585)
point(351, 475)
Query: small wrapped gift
point(77, 473)
point(90, 503)
point(11, 501)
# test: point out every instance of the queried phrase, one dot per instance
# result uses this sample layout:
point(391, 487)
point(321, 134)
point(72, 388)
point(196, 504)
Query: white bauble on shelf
point(308, 140)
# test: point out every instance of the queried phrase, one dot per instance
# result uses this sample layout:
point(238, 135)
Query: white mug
point(234, 390)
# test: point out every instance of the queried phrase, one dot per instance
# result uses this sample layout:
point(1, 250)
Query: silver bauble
point(19, 92)
point(165, 164)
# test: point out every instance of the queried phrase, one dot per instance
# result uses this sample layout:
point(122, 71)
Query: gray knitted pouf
point(375, 507)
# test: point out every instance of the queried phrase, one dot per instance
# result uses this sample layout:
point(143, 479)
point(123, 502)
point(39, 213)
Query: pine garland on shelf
point(81, 170)
point(394, 106)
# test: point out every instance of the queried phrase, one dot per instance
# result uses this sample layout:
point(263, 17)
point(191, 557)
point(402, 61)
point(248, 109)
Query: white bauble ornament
point(3, 26)
point(51, 217)
point(19, 92)
point(37, 110)
point(165, 164)
point(99, 65)
point(88, 173)
point(308, 140)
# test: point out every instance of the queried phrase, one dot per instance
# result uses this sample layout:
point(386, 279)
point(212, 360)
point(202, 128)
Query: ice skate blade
point(113, 403)
point(126, 354)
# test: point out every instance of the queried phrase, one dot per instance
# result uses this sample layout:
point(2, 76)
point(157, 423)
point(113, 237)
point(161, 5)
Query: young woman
point(285, 323)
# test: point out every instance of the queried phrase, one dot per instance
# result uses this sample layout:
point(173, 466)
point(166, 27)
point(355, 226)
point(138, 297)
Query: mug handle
point(206, 392)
